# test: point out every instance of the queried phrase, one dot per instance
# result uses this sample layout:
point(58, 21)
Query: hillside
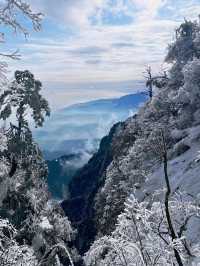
point(83, 188)
point(142, 204)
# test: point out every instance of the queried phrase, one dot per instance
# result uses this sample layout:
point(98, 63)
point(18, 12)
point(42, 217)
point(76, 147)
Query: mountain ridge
point(85, 122)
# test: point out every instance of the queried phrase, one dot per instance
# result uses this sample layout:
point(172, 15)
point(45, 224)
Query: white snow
point(45, 225)
point(183, 170)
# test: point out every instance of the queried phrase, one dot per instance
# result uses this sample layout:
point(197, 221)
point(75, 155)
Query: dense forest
point(136, 201)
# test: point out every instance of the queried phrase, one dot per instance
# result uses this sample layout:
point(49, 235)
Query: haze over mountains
point(72, 135)
point(78, 128)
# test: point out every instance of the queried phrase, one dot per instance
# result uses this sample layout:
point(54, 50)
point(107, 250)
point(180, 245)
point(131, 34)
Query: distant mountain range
point(72, 135)
point(80, 127)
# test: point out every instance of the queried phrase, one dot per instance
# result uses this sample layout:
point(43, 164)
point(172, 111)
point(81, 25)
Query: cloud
point(88, 41)
point(148, 8)
point(89, 50)
point(61, 94)
point(123, 44)
point(93, 62)
point(69, 12)
point(120, 53)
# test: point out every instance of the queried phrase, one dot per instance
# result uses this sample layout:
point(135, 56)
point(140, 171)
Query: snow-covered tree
point(22, 99)
point(142, 235)
point(41, 234)
point(11, 253)
point(10, 11)
point(158, 81)
point(23, 96)
point(159, 222)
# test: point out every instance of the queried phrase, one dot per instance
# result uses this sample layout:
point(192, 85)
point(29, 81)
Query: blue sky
point(90, 49)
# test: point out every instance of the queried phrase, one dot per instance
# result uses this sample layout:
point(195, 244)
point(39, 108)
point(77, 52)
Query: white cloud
point(148, 9)
point(91, 53)
point(69, 12)
point(70, 60)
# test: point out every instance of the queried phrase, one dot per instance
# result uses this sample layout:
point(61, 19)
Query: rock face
point(83, 189)
point(85, 185)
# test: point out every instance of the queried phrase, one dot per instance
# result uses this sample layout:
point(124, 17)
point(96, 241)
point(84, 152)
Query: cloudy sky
point(91, 49)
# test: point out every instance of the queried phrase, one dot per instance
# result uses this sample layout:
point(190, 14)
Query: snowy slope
point(130, 212)
point(184, 170)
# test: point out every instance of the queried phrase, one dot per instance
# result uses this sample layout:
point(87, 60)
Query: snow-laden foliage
point(33, 228)
point(173, 107)
point(10, 11)
point(156, 156)
point(23, 96)
point(42, 233)
point(142, 235)
point(11, 253)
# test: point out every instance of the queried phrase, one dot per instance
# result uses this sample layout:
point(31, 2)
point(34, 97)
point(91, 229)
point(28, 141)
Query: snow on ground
point(183, 170)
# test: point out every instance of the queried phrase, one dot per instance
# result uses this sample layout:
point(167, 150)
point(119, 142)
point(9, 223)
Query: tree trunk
point(167, 196)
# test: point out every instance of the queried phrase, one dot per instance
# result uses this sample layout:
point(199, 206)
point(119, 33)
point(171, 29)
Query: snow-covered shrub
point(11, 253)
point(191, 72)
point(142, 236)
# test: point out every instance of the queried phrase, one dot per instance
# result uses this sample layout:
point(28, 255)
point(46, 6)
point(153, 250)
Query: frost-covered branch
point(151, 81)
point(10, 10)
point(52, 253)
